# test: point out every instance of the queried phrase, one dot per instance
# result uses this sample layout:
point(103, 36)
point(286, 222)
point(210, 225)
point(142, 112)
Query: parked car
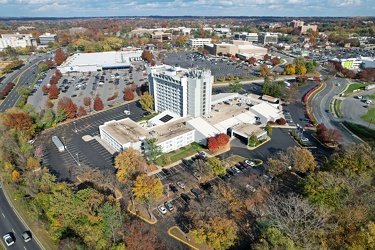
point(196, 192)
point(206, 186)
point(224, 177)
point(243, 164)
point(197, 175)
point(169, 206)
point(166, 171)
point(250, 163)
point(180, 184)
point(185, 197)
point(230, 172)
point(162, 209)
point(173, 188)
point(251, 188)
point(236, 170)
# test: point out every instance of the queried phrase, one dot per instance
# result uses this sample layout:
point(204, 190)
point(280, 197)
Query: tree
point(275, 61)
point(301, 69)
point(139, 236)
point(252, 60)
point(128, 94)
point(217, 168)
point(299, 61)
point(147, 189)
point(59, 56)
point(24, 90)
point(264, 70)
point(60, 115)
point(98, 103)
point(235, 86)
point(20, 121)
point(281, 121)
point(310, 66)
point(53, 92)
point(290, 69)
point(45, 89)
point(268, 129)
point(222, 139)
point(81, 111)
point(87, 102)
point(301, 159)
point(147, 101)
point(111, 219)
point(152, 149)
point(68, 106)
point(219, 233)
point(16, 176)
point(47, 118)
point(295, 217)
point(253, 140)
point(128, 164)
point(212, 143)
point(43, 67)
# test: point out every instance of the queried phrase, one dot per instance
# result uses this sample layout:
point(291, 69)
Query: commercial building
point(172, 134)
point(186, 92)
point(76, 30)
point(267, 38)
point(198, 42)
point(237, 48)
point(17, 40)
point(244, 36)
point(47, 38)
point(85, 62)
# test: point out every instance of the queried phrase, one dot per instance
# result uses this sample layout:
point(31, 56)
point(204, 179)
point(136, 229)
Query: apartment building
point(198, 42)
point(186, 92)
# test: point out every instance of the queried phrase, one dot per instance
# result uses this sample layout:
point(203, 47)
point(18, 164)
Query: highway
point(26, 78)
point(10, 223)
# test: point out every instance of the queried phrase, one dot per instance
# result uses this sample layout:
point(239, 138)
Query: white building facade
point(47, 38)
point(186, 92)
point(198, 42)
point(17, 41)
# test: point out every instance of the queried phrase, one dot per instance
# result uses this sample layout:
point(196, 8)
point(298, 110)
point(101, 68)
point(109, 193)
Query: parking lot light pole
point(79, 164)
point(75, 128)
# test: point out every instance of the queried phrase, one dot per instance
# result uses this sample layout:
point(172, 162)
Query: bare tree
point(297, 218)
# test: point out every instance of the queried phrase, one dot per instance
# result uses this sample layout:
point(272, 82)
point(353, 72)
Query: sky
point(100, 8)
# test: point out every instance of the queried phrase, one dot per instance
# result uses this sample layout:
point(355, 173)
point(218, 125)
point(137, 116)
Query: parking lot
point(218, 67)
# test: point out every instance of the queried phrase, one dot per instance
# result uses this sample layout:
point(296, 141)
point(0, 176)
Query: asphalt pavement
point(10, 223)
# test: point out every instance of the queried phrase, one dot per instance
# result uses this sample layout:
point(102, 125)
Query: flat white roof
point(111, 58)
point(221, 97)
point(266, 109)
point(203, 127)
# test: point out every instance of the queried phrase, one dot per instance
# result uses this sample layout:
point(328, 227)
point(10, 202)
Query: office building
point(17, 40)
point(186, 92)
point(47, 38)
point(267, 38)
point(198, 42)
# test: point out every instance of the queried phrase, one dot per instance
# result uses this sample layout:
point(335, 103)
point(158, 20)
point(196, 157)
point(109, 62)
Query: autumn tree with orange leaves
point(59, 56)
point(20, 121)
point(81, 111)
point(98, 103)
point(128, 95)
point(68, 106)
point(53, 92)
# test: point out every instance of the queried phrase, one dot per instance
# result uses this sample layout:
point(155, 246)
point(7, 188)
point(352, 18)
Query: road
point(9, 222)
point(322, 107)
point(27, 77)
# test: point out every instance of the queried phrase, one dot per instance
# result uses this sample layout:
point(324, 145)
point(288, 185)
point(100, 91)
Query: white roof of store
point(157, 120)
point(266, 109)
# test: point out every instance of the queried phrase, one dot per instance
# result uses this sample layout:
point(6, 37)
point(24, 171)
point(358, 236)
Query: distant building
point(17, 40)
point(267, 38)
point(238, 47)
point(198, 42)
point(47, 38)
point(76, 30)
point(25, 28)
point(244, 36)
point(305, 28)
point(186, 92)
point(296, 23)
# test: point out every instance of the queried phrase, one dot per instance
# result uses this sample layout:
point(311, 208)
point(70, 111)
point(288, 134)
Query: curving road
point(10, 223)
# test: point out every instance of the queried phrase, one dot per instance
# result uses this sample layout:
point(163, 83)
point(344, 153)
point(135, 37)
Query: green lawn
point(354, 86)
point(370, 116)
point(183, 152)
point(337, 108)
point(364, 133)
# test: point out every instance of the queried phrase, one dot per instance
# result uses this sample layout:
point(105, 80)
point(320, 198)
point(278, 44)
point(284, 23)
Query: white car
point(304, 139)
point(197, 175)
point(249, 163)
point(31, 142)
point(180, 184)
point(251, 188)
point(162, 209)
point(8, 240)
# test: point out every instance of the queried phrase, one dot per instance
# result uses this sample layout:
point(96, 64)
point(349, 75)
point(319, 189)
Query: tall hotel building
point(186, 92)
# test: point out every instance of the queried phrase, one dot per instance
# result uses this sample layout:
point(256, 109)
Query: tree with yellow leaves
point(147, 189)
point(16, 176)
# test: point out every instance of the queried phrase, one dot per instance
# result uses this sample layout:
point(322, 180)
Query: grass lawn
point(364, 133)
point(183, 152)
point(370, 116)
point(337, 108)
point(230, 161)
point(176, 232)
point(354, 86)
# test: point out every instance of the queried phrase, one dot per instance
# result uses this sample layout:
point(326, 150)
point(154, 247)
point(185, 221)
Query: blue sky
point(97, 8)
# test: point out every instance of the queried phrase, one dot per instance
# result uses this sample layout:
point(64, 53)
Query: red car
point(309, 125)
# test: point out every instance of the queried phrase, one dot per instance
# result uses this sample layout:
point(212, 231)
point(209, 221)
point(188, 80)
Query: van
point(126, 112)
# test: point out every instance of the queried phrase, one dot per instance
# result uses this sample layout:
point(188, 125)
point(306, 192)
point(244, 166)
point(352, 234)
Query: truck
point(60, 146)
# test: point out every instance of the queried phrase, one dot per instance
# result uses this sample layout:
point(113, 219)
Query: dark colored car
point(173, 188)
point(206, 186)
point(196, 192)
point(230, 172)
point(224, 177)
point(166, 171)
point(185, 197)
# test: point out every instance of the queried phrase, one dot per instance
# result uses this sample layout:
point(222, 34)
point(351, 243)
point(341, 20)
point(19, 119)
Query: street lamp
point(79, 164)
point(75, 128)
